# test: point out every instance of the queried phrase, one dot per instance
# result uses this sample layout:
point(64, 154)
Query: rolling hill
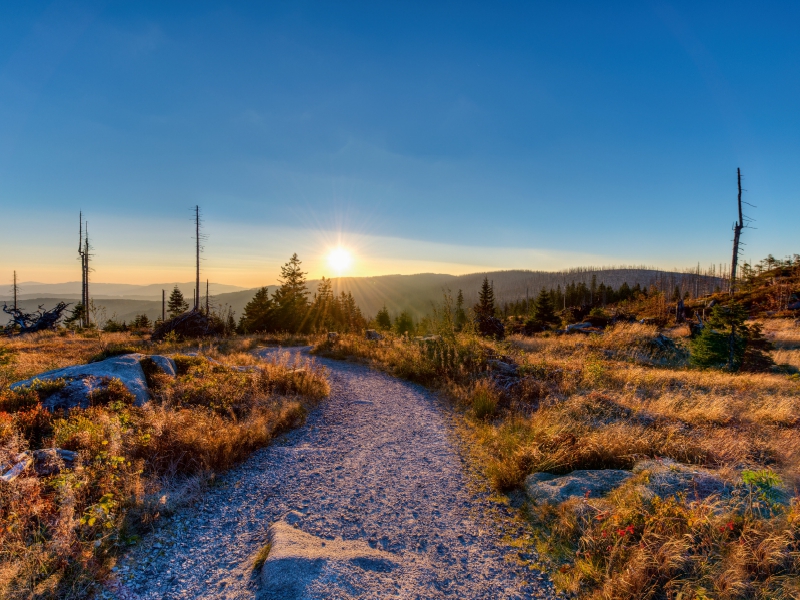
point(414, 293)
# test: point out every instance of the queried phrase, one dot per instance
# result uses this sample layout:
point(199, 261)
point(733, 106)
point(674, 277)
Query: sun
point(340, 259)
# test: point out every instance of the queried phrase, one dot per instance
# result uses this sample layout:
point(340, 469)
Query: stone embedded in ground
point(665, 477)
point(545, 488)
point(82, 380)
point(298, 560)
point(165, 363)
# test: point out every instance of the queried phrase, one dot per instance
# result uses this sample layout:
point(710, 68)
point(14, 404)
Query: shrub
point(25, 397)
point(712, 348)
point(111, 392)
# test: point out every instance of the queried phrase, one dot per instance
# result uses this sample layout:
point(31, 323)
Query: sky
point(422, 137)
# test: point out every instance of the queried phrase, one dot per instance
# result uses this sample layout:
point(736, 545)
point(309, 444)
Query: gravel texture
point(378, 465)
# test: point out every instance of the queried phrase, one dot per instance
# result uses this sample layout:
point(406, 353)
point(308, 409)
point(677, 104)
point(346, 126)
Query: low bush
point(630, 546)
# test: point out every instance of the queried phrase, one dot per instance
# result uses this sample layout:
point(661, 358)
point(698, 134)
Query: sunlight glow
point(340, 260)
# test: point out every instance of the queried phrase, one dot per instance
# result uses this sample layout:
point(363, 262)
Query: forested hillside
point(416, 293)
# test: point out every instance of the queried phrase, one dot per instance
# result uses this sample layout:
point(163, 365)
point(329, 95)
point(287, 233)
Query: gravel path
point(377, 462)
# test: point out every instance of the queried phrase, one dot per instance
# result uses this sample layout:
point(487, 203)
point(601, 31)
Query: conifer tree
point(322, 307)
point(711, 349)
point(141, 322)
point(543, 310)
point(230, 324)
point(176, 304)
point(485, 306)
point(257, 315)
point(291, 302)
point(77, 316)
point(383, 320)
point(461, 315)
point(404, 323)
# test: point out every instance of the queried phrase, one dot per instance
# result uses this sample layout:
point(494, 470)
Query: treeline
point(580, 294)
point(289, 308)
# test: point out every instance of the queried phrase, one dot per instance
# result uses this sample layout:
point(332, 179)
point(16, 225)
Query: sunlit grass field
point(607, 402)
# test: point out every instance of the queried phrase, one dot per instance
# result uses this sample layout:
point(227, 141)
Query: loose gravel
point(377, 462)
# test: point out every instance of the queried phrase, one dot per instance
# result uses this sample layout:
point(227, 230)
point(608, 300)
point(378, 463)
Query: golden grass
point(783, 333)
point(609, 401)
point(60, 533)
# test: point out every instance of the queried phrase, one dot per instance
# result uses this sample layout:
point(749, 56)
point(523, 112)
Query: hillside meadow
point(62, 531)
point(611, 401)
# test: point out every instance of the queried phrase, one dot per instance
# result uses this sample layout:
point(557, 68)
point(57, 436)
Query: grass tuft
point(261, 557)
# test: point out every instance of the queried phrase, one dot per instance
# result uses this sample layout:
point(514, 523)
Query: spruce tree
point(291, 303)
point(404, 323)
point(258, 313)
point(78, 315)
point(320, 310)
point(485, 307)
point(141, 322)
point(383, 320)
point(544, 313)
point(711, 349)
point(461, 314)
point(176, 305)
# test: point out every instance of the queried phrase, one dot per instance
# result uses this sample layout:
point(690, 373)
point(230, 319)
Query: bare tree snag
point(197, 239)
point(737, 232)
point(32, 322)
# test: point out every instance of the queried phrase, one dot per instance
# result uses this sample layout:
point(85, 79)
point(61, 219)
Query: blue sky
point(449, 137)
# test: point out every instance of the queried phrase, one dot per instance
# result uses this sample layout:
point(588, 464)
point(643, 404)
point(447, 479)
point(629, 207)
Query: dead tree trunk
point(32, 322)
point(83, 254)
point(16, 290)
point(197, 239)
point(737, 232)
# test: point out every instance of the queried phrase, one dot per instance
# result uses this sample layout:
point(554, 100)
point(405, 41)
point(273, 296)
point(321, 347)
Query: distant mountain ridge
point(415, 293)
point(72, 289)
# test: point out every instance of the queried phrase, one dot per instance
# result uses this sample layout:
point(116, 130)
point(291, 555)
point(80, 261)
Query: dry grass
point(783, 333)
point(60, 533)
point(596, 402)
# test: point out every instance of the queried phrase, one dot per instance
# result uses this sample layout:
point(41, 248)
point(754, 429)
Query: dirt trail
point(376, 464)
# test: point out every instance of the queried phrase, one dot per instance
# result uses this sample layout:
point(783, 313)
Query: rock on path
point(375, 467)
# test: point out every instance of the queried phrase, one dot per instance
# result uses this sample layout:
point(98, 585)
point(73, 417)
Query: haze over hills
point(415, 293)
point(72, 289)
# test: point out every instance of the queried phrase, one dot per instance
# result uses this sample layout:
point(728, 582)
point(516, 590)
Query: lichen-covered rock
point(665, 477)
point(546, 488)
point(297, 561)
point(165, 363)
point(82, 380)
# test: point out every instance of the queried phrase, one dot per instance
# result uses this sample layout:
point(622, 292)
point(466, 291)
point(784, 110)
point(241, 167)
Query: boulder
point(490, 326)
point(297, 560)
point(21, 463)
point(545, 488)
point(665, 477)
point(82, 380)
point(49, 461)
point(503, 367)
point(165, 363)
